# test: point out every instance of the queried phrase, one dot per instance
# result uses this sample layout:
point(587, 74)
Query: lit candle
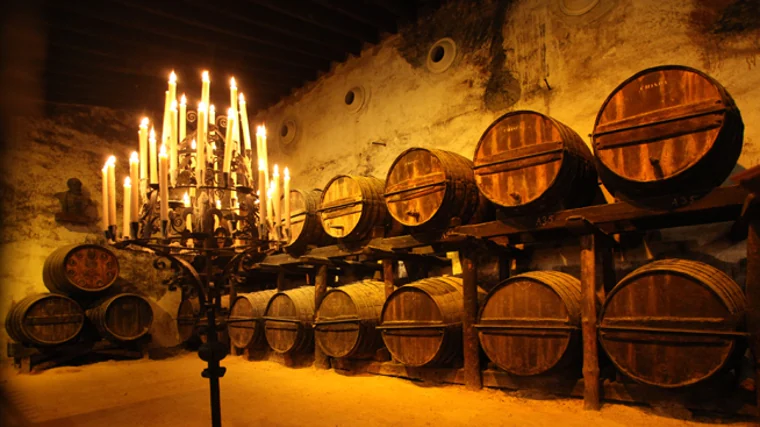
point(211, 114)
point(127, 206)
point(269, 216)
point(262, 193)
point(276, 202)
point(200, 159)
point(172, 86)
point(152, 155)
point(233, 104)
point(189, 217)
point(173, 148)
point(104, 214)
point(135, 208)
point(165, 129)
point(286, 197)
point(143, 134)
point(244, 124)
point(205, 88)
point(228, 141)
point(182, 118)
point(112, 191)
point(261, 139)
point(233, 94)
point(163, 183)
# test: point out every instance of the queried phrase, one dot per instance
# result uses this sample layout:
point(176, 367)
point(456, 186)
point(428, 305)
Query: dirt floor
point(171, 392)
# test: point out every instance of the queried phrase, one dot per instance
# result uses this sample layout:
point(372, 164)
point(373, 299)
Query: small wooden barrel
point(530, 323)
point(672, 323)
point(288, 320)
point(421, 322)
point(245, 325)
point(352, 206)
point(305, 224)
point(346, 318)
point(123, 317)
point(665, 132)
point(80, 269)
point(44, 320)
point(427, 188)
point(529, 163)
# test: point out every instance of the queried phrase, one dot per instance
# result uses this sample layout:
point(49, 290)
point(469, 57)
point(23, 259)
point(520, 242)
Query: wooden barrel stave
point(427, 188)
point(352, 206)
point(529, 324)
point(80, 269)
point(659, 316)
point(122, 317)
point(44, 320)
point(245, 323)
point(345, 320)
point(529, 163)
point(306, 224)
point(667, 132)
point(288, 320)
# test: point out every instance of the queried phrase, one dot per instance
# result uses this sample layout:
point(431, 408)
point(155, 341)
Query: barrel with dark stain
point(352, 206)
point(44, 320)
point(122, 317)
point(305, 223)
point(421, 322)
point(672, 323)
point(426, 189)
point(530, 323)
point(80, 269)
point(191, 319)
point(346, 318)
point(245, 324)
point(529, 163)
point(665, 132)
point(288, 320)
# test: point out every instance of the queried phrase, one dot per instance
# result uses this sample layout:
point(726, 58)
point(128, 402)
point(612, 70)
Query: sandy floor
point(171, 392)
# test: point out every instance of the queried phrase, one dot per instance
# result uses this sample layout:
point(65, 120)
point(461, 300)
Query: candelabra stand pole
point(212, 351)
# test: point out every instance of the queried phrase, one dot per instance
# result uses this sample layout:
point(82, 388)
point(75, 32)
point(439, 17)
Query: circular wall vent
point(577, 7)
point(288, 131)
point(355, 98)
point(441, 55)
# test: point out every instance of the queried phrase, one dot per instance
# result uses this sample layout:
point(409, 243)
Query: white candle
point(233, 94)
point(244, 124)
point(200, 159)
point(211, 114)
point(269, 216)
point(182, 118)
point(228, 141)
point(262, 193)
point(104, 213)
point(216, 217)
point(143, 135)
point(166, 125)
point(112, 191)
point(173, 147)
point(127, 206)
point(205, 88)
point(163, 183)
point(261, 138)
point(188, 217)
point(286, 197)
point(276, 199)
point(172, 86)
point(134, 178)
point(152, 155)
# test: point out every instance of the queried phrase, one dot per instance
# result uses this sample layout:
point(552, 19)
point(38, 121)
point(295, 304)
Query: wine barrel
point(288, 320)
point(529, 163)
point(44, 320)
point(245, 324)
point(122, 317)
point(80, 269)
point(345, 321)
point(305, 224)
point(426, 189)
point(421, 323)
point(352, 206)
point(672, 323)
point(530, 324)
point(191, 318)
point(665, 132)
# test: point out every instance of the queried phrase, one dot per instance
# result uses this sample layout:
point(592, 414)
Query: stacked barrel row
point(79, 278)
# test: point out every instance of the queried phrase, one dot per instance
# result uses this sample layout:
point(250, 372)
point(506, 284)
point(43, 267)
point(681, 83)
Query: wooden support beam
point(472, 376)
point(390, 275)
point(281, 286)
point(589, 288)
point(321, 361)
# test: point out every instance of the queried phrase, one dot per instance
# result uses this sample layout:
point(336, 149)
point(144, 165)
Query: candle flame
point(144, 122)
point(186, 200)
point(111, 161)
point(205, 76)
point(193, 145)
point(127, 182)
point(105, 167)
point(261, 164)
point(152, 134)
point(183, 100)
point(174, 105)
point(162, 151)
point(232, 83)
point(134, 158)
point(201, 106)
point(230, 112)
point(213, 146)
point(241, 98)
point(261, 130)
point(276, 171)
point(172, 77)
point(219, 204)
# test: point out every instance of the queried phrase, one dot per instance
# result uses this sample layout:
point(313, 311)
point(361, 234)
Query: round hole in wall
point(355, 98)
point(350, 97)
point(441, 55)
point(288, 131)
point(284, 130)
point(577, 7)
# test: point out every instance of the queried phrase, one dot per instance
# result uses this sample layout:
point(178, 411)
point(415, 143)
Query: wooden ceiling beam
point(363, 12)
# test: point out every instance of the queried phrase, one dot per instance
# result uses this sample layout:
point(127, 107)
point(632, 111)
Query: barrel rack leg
point(589, 286)
point(752, 292)
point(472, 376)
point(321, 361)
point(390, 273)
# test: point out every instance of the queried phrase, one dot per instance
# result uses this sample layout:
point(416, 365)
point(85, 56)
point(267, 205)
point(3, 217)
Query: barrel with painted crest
point(352, 207)
point(80, 270)
point(529, 163)
point(245, 324)
point(288, 320)
point(44, 320)
point(667, 134)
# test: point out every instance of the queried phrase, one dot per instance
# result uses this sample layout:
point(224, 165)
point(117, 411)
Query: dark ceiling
point(118, 53)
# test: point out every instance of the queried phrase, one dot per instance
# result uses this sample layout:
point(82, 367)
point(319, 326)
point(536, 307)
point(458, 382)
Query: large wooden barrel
point(44, 320)
point(288, 320)
point(122, 317)
point(672, 323)
point(427, 188)
point(80, 269)
point(529, 163)
point(664, 132)
point(345, 321)
point(305, 223)
point(530, 323)
point(191, 318)
point(421, 322)
point(352, 206)
point(245, 324)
